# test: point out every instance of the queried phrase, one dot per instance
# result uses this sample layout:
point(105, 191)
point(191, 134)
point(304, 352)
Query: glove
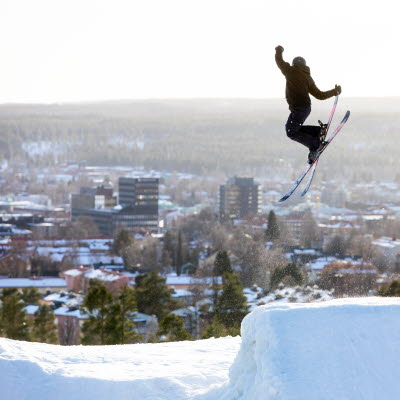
point(279, 49)
point(338, 90)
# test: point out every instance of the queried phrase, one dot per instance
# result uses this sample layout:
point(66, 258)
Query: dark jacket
point(299, 84)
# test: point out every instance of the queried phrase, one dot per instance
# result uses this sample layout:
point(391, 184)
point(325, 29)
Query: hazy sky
point(74, 50)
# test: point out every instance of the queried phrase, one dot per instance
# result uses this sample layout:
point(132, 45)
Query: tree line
point(109, 318)
point(234, 136)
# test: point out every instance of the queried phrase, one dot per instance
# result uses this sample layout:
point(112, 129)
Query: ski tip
point(283, 199)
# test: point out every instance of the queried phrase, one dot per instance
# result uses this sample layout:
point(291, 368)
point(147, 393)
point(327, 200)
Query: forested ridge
point(230, 135)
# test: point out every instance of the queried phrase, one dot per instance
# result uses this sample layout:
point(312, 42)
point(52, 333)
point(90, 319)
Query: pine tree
point(168, 255)
point(44, 328)
point(97, 305)
point(392, 290)
point(337, 246)
point(153, 296)
point(172, 328)
point(291, 270)
point(231, 305)
point(222, 264)
point(216, 329)
point(13, 322)
point(309, 230)
point(272, 232)
point(122, 240)
point(120, 326)
point(179, 254)
point(30, 295)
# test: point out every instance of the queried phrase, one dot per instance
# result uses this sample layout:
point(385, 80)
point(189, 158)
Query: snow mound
point(339, 349)
point(170, 371)
point(335, 350)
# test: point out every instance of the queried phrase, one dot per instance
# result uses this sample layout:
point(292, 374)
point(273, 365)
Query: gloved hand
point(338, 90)
point(279, 49)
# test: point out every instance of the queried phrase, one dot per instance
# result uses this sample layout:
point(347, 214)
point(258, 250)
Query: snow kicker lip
point(338, 349)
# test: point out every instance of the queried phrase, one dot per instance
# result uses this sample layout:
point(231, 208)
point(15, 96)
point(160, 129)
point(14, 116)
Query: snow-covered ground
point(282, 294)
point(346, 349)
point(171, 371)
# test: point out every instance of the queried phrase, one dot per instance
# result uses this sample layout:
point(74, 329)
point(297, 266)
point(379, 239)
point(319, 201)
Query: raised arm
point(318, 94)
point(283, 65)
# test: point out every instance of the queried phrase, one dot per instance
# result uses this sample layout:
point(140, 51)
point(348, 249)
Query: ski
point(316, 163)
point(310, 179)
point(309, 166)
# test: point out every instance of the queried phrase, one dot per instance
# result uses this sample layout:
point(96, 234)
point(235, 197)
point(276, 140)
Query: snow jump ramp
point(341, 350)
point(335, 350)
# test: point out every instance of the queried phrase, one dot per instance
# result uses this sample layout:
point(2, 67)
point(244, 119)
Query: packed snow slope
point(340, 350)
point(171, 371)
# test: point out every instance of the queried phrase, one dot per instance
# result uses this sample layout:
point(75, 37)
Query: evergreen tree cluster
point(172, 329)
point(391, 290)
point(153, 296)
point(110, 317)
point(14, 322)
point(176, 252)
point(230, 304)
point(290, 272)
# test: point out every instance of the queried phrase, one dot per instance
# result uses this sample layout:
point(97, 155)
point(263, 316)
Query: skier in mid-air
point(299, 85)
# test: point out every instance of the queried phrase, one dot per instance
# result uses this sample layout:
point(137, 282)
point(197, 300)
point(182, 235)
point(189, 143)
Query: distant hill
point(201, 135)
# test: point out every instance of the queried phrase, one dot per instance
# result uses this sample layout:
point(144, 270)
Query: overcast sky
point(77, 50)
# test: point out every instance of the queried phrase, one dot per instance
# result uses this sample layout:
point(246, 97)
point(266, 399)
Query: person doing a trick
point(299, 85)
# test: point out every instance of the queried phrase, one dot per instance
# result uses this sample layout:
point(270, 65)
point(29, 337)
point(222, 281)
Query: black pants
point(307, 135)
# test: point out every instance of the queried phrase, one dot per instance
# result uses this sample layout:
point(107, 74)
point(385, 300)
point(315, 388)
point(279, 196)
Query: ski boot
point(324, 131)
point(313, 154)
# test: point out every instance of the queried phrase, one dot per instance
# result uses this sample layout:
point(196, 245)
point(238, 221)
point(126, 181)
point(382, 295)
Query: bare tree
point(68, 332)
point(309, 231)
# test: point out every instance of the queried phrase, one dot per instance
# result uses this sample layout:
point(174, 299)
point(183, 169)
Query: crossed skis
point(313, 166)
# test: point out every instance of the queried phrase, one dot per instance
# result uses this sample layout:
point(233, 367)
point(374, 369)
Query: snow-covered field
point(340, 350)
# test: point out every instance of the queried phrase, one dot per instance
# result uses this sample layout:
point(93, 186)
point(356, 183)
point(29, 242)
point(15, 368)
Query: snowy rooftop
point(73, 272)
point(101, 275)
point(81, 255)
point(70, 312)
point(31, 309)
point(182, 293)
point(322, 262)
point(305, 251)
point(37, 283)
point(62, 297)
point(92, 243)
point(189, 280)
point(387, 242)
